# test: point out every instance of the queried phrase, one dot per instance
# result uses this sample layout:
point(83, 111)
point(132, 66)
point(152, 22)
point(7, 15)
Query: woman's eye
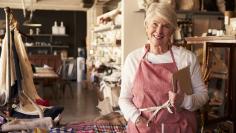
point(154, 25)
point(166, 26)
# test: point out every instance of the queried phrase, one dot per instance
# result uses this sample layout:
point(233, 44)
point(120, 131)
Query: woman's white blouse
point(183, 58)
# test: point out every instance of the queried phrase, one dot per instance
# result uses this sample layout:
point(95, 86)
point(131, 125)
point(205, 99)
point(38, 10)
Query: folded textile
point(26, 124)
point(61, 130)
point(97, 127)
point(114, 118)
point(48, 112)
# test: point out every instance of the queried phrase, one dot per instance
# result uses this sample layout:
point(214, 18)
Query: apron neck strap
point(147, 49)
point(173, 58)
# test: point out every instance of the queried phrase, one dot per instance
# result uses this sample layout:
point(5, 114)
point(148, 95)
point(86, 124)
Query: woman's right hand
point(141, 120)
point(142, 125)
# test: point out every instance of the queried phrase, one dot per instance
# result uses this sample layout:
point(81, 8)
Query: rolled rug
point(26, 124)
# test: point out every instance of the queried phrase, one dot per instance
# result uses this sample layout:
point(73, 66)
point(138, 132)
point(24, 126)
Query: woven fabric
point(92, 127)
point(61, 130)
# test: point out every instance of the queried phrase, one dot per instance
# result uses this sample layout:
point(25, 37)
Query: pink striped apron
point(150, 89)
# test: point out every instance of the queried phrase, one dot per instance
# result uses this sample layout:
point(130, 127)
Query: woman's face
point(159, 32)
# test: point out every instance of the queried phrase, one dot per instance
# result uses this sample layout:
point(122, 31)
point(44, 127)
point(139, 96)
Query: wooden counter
point(202, 40)
point(46, 77)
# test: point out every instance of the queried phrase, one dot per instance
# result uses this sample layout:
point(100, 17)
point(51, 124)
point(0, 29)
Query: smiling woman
point(160, 24)
point(148, 99)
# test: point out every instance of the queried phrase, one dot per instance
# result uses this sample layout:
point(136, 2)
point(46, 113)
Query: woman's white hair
point(162, 10)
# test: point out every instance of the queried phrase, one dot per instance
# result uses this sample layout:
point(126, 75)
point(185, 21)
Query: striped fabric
point(62, 130)
point(92, 127)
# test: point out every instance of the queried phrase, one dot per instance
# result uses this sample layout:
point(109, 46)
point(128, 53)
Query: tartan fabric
point(92, 127)
point(61, 130)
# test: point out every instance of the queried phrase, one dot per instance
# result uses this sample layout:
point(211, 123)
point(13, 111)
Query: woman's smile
point(158, 36)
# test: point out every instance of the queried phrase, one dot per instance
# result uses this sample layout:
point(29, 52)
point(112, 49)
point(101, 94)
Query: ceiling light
point(28, 20)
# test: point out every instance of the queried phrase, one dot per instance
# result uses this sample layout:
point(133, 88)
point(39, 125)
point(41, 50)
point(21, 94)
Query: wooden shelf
point(201, 40)
point(106, 28)
point(60, 46)
point(192, 12)
point(200, 12)
point(48, 35)
point(52, 46)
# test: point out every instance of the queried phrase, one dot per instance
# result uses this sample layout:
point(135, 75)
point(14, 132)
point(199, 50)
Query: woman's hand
point(140, 120)
point(176, 99)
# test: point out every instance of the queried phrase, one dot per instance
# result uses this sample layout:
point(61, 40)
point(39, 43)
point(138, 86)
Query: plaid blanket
point(98, 127)
point(62, 130)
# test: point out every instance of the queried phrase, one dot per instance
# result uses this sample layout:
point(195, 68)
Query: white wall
point(133, 31)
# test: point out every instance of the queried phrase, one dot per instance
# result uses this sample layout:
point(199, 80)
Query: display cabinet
point(218, 55)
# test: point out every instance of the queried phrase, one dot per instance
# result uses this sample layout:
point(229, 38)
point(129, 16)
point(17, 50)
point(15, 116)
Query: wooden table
point(52, 75)
point(45, 72)
point(45, 77)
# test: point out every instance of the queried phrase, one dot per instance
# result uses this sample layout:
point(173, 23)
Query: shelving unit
point(105, 45)
point(37, 46)
point(104, 52)
point(105, 40)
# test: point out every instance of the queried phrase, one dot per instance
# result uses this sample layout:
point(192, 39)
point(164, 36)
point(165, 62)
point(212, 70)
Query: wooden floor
point(79, 102)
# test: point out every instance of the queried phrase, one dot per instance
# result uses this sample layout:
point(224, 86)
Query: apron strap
point(156, 109)
point(147, 48)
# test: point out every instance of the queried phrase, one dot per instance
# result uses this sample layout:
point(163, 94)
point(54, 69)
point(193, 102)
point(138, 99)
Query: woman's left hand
point(176, 98)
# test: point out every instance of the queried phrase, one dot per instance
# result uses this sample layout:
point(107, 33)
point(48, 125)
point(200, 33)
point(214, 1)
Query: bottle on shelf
point(209, 32)
point(62, 29)
point(37, 31)
point(55, 28)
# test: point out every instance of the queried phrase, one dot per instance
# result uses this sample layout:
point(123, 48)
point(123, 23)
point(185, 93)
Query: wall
point(133, 30)
point(74, 21)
